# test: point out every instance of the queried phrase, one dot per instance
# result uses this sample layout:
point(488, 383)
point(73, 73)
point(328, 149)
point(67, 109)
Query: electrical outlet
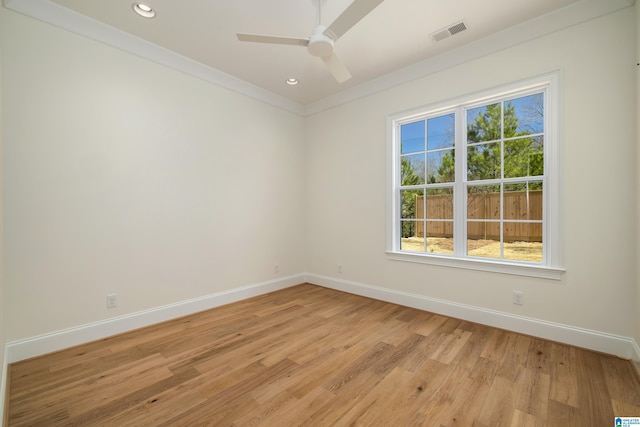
point(339, 268)
point(276, 268)
point(518, 297)
point(112, 300)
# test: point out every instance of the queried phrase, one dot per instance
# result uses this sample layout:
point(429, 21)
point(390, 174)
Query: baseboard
point(4, 392)
point(58, 340)
point(635, 356)
point(594, 340)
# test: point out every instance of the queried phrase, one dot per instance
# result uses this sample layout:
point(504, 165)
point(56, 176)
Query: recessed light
point(292, 81)
point(144, 10)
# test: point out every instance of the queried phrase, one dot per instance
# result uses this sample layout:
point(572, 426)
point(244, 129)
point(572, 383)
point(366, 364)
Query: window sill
point(538, 271)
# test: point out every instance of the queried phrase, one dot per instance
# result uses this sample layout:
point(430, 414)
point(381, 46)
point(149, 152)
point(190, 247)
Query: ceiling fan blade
point(337, 68)
point(257, 38)
point(350, 17)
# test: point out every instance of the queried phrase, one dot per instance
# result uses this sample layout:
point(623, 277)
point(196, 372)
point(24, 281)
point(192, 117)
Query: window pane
point(485, 242)
point(413, 168)
point(483, 202)
point(412, 202)
point(441, 132)
point(412, 137)
point(524, 157)
point(522, 232)
point(529, 114)
point(441, 166)
point(413, 238)
point(484, 123)
point(483, 161)
point(523, 201)
point(523, 241)
point(440, 203)
point(440, 237)
point(409, 228)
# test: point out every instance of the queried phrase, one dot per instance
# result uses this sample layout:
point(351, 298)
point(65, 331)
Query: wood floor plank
point(100, 414)
point(44, 379)
point(539, 355)
point(380, 406)
point(532, 393)
point(211, 415)
point(515, 357)
point(316, 372)
point(361, 366)
point(622, 383)
point(565, 415)
point(443, 406)
point(431, 383)
point(499, 407)
point(467, 396)
point(522, 419)
point(466, 406)
point(249, 346)
point(109, 386)
point(593, 393)
point(248, 384)
point(299, 411)
point(431, 324)
point(157, 408)
point(424, 347)
point(624, 409)
point(564, 376)
point(450, 345)
point(313, 356)
point(223, 381)
point(343, 335)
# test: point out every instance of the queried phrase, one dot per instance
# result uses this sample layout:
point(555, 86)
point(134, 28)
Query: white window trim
point(553, 264)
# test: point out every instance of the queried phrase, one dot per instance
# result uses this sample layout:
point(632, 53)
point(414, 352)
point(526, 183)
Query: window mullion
point(502, 166)
point(459, 191)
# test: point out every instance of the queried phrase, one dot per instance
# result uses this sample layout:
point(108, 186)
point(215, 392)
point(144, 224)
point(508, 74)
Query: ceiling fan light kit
point(321, 44)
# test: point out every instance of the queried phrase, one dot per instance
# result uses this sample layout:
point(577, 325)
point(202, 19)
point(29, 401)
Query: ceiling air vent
point(449, 31)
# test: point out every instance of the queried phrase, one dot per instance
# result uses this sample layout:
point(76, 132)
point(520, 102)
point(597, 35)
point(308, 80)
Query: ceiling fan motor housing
point(320, 44)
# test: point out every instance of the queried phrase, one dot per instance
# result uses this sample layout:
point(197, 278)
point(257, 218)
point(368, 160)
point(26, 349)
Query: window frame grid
point(551, 265)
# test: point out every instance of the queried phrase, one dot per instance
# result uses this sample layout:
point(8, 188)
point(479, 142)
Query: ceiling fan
point(322, 41)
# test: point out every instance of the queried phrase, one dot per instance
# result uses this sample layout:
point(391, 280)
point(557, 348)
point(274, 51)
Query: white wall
point(123, 176)
point(346, 160)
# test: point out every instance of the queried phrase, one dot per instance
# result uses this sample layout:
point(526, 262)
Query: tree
point(409, 176)
point(446, 169)
point(522, 157)
point(484, 161)
point(408, 208)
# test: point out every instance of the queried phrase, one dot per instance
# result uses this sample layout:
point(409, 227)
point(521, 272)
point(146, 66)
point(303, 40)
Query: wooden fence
point(518, 205)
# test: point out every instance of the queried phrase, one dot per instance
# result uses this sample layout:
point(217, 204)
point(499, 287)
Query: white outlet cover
point(112, 300)
point(518, 298)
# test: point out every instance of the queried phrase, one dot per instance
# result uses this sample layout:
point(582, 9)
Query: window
point(475, 182)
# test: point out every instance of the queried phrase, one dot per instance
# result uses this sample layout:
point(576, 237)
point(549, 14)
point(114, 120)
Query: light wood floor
point(313, 356)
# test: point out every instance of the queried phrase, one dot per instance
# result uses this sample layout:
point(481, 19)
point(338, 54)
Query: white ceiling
point(394, 36)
